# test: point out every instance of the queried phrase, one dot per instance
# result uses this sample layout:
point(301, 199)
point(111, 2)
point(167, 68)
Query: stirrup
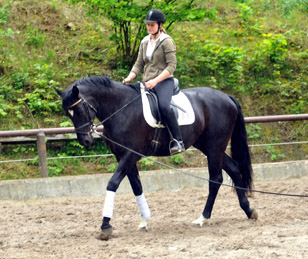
point(176, 146)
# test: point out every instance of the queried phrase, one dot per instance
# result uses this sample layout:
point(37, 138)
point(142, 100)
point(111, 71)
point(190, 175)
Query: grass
point(53, 43)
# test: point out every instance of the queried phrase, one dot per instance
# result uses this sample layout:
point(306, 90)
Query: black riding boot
point(176, 144)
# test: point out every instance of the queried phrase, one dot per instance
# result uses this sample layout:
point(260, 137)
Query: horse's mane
point(94, 81)
point(100, 82)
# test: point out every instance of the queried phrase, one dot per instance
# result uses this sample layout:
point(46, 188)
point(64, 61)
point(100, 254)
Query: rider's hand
point(129, 78)
point(150, 84)
point(126, 80)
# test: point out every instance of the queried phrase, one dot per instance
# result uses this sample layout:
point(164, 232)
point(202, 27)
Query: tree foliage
point(127, 17)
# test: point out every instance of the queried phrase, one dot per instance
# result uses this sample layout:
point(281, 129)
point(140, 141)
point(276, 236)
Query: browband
point(74, 104)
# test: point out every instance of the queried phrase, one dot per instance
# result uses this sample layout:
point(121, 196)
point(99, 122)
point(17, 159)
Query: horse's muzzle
point(85, 139)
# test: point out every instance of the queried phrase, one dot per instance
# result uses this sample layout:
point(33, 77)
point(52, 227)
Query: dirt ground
point(68, 227)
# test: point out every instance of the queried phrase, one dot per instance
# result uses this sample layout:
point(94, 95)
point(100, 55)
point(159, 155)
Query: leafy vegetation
point(254, 50)
point(127, 20)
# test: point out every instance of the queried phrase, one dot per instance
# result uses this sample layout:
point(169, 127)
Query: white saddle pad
point(186, 113)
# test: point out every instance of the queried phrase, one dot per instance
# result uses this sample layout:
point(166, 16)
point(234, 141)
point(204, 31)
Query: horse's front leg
point(143, 206)
point(113, 185)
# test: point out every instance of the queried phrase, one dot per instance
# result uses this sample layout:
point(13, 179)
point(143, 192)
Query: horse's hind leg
point(215, 172)
point(143, 207)
point(232, 169)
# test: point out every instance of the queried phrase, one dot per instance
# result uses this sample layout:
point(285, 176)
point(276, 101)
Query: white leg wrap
point(143, 225)
point(143, 207)
point(109, 204)
point(200, 221)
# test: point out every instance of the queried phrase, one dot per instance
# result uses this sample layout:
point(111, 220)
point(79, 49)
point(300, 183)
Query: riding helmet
point(155, 15)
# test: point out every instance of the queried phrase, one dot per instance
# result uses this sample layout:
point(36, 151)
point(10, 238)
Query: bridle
point(90, 121)
point(87, 107)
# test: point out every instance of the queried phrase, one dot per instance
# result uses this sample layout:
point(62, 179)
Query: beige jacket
point(163, 57)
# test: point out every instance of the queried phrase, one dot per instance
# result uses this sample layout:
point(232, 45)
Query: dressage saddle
point(153, 101)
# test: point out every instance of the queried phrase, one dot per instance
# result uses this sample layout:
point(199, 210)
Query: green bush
point(4, 12)
point(269, 57)
point(220, 66)
point(42, 99)
point(35, 38)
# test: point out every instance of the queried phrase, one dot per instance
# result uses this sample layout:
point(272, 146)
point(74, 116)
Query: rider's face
point(152, 27)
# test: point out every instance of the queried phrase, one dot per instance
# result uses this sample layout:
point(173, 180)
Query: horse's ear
point(75, 91)
point(59, 92)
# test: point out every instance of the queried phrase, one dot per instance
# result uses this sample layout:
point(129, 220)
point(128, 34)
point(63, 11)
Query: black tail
point(239, 148)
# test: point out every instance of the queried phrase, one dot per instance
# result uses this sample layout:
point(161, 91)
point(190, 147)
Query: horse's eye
point(71, 112)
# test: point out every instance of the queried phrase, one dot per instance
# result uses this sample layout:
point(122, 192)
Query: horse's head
point(80, 112)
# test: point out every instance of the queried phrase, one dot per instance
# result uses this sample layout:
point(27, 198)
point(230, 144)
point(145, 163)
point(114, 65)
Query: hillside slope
point(254, 50)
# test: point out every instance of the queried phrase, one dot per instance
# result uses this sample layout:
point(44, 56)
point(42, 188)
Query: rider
point(157, 60)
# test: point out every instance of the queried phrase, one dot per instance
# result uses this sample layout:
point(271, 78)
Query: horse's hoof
point(200, 221)
point(143, 226)
point(254, 214)
point(105, 233)
point(143, 229)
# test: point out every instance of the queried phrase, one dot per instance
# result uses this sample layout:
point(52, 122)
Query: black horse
point(218, 117)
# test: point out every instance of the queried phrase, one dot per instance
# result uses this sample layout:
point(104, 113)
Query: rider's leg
point(164, 91)
point(176, 144)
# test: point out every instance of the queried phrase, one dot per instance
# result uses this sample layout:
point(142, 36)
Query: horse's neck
point(111, 100)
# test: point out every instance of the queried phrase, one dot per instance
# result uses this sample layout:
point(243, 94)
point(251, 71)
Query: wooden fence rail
point(39, 135)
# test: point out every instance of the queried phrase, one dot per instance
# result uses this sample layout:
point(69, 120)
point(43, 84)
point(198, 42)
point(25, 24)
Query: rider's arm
point(161, 77)
point(170, 55)
point(129, 78)
point(138, 66)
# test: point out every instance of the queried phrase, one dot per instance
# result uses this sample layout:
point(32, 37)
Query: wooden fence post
point(41, 147)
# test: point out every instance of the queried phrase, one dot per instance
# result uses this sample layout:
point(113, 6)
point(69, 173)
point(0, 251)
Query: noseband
point(87, 107)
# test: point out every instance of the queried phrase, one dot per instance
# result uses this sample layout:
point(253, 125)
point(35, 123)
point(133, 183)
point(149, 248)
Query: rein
point(113, 114)
point(90, 121)
point(196, 176)
point(93, 129)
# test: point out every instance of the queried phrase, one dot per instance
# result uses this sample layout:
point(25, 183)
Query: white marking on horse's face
point(71, 112)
